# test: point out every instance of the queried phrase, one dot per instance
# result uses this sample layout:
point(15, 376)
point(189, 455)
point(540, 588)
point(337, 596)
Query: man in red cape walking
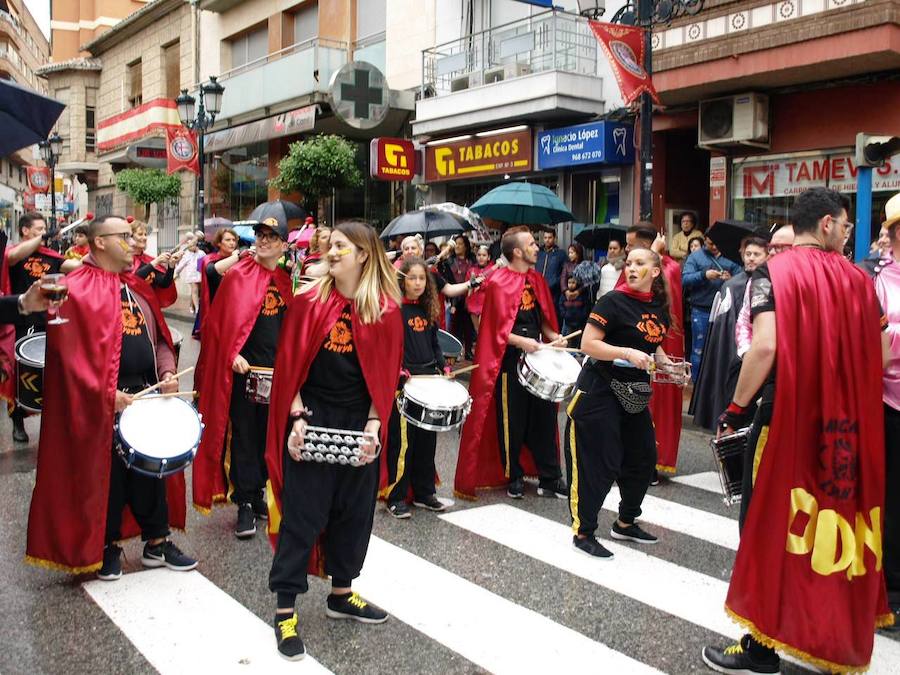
point(807, 578)
point(85, 498)
point(241, 339)
point(505, 417)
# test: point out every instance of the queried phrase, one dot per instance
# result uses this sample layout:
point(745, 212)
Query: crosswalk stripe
point(706, 480)
point(682, 592)
point(685, 519)
point(487, 629)
point(181, 622)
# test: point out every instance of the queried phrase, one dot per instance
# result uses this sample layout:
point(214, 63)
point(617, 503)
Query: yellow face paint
point(643, 274)
point(344, 251)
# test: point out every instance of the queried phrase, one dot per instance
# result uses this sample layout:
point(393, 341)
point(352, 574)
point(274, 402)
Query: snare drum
point(259, 384)
point(728, 452)
point(450, 346)
point(177, 339)
point(158, 436)
point(549, 374)
point(434, 403)
point(30, 371)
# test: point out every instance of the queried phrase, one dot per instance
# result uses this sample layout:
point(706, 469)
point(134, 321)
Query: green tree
point(148, 186)
point(316, 167)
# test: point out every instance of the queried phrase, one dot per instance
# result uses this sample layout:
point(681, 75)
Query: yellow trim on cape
point(226, 464)
point(274, 513)
point(772, 643)
point(50, 565)
point(666, 469)
point(504, 403)
point(758, 451)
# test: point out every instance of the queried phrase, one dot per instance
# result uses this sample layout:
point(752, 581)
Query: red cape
point(478, 465)
point(67, 520)
point(204, 290)
point(807, 577)
point(166, 296)
point(242, 291)
point(307, 322)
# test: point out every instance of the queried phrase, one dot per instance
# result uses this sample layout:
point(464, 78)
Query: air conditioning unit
point(742, 119)
point(466, 81)
point(507, 71)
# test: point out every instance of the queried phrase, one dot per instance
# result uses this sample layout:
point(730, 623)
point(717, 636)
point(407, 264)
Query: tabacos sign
point(392, 159)
point(479, 156)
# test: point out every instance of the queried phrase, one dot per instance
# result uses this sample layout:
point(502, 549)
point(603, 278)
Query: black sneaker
point(631, 533)
point(290, 646)
point(431, 502)
point(591, 546)
point(516, 489)
point(260, 507)
point(19, 433)
point(656, 478)
point(167, 554)
point(399, 510)
point(351, 606)
point(112, 564)
point(742, 658)
point(558, 490)
point(246, 522)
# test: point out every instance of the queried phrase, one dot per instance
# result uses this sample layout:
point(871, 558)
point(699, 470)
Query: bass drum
point(30, 371)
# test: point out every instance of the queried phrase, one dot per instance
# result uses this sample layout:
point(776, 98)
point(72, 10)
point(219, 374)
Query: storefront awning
point(286, 124)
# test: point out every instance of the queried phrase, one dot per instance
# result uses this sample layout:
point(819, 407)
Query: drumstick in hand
point(461, 371)
point(562, 338)
point(156, 386)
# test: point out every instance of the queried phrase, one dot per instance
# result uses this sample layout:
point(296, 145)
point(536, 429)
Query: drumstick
point(170, 394)
point(156, 386)
point(566, 337)
point(461, 371)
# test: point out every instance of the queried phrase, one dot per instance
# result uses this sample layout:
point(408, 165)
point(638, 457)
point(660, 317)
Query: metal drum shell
point(25, 366)
point(541, 386)
point(432, 417)
point(728, 452)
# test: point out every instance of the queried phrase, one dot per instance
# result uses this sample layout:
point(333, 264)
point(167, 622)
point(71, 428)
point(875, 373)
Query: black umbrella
point(279, 209)
point(26, 117)
point(597, 236)
point(727, 235)
point(427, 223)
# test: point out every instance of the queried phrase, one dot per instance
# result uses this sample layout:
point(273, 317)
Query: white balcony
point(294, 76)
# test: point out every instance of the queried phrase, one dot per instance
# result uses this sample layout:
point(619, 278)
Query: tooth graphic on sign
point(545, 144)
point(619, 135)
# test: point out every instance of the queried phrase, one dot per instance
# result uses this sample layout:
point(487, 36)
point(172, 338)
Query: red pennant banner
point(38, 178)
point(624, 47)
point(181, 150)
point(28, 200)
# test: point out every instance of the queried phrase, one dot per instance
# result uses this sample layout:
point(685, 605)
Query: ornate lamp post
point(647, 14)
point(51, 149)
point(210, 106)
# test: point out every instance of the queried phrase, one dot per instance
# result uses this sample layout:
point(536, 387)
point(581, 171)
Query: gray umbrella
point(26, 117)
point(427, 223)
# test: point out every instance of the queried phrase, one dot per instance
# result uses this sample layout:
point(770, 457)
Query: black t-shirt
point(762, 297)
point(138, 360)
point(527, 324)
point(26, 272)
point(259, 349)
point(335, 374)
point(422, 355)
point(213, 279)
point(628, 322)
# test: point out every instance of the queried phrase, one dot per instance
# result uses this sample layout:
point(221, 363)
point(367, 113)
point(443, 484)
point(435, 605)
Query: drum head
point(30, 349)
point(450, 346)
point(436, 392)
point(177, 337)
point(160, 427)
point(555, 365)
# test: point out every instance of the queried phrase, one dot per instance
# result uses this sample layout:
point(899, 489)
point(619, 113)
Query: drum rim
point(25, 339)
point(128, 446)
point(411, 397)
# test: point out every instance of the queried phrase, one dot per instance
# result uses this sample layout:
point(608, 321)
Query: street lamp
point(210, 106)
point(591, 9)
point(647, 14)
point(51, 149)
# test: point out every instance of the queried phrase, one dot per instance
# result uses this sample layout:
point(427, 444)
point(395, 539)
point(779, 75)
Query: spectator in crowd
point(703, 274)
point(456, 270)
point(576, 304)
point(680, 248)
point(550, 262)
point(612, 268)
point(575, 254)
point(188, 272)
point(79, 247)
point(695, 245)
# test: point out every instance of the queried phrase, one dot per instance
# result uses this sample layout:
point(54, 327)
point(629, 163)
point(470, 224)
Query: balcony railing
point(301, 69)
point(551, 40)
point(371, 50)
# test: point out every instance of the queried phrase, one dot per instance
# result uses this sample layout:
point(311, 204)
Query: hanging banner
point(38, 178)
point(624, 48)
point(28, 200)
point(181, 150)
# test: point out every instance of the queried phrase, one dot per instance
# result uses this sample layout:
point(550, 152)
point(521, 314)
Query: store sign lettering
point(592, 143)
point(392, 159)
point(791, 176)
point(503, 153)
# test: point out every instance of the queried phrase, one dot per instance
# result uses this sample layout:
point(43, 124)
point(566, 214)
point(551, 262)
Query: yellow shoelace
point(288, 627)
point(734, 649)
point(356, 601)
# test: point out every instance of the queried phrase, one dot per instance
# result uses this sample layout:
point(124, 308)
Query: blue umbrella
point(26, 117)
point(244, 229)
point(521, 203)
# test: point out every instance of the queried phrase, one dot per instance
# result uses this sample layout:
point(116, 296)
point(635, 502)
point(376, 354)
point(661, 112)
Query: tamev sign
point(392, 159)
point(482, 155)
point(592, 143)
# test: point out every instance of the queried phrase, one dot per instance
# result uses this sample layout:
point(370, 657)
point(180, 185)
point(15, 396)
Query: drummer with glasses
point(115, 343)
point(505, 417)
point(609, 434)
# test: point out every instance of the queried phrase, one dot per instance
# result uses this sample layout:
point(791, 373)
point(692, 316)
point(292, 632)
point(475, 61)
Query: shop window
point(135, 84)
point(90, 130)
point(249, 47)
point(306, 23)
point(172, 69)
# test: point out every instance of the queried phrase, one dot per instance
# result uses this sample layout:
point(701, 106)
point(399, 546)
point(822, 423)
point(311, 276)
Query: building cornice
point(78, 63)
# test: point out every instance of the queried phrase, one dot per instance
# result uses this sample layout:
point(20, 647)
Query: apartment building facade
point(74, 24)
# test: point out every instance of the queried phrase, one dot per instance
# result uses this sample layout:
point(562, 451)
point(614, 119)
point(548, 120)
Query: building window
point(306, 23)
point(249, 47)
point(135, 85)
point(370, 18)
point(90, 129)
point(172, 66)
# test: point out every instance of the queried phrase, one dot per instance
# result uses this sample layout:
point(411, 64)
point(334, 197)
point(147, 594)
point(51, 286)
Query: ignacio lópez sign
point(592, 143)
point(479, 156)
